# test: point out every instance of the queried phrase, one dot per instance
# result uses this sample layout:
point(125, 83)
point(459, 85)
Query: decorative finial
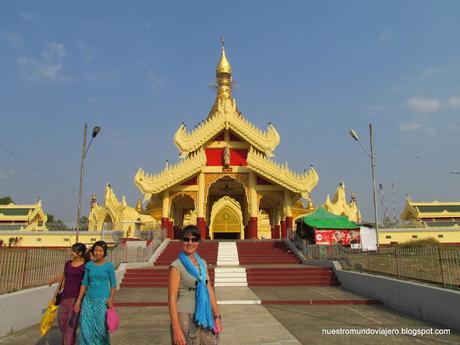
point(139, 206)
point(222, 42)
point(223, 67)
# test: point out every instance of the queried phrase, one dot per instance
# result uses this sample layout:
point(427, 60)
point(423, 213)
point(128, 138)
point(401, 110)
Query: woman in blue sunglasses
point(195, 318)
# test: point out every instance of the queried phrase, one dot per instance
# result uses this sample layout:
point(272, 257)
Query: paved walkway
point(247, 322)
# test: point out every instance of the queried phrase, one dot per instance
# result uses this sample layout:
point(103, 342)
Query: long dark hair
point(101, 244)
point(79, 248)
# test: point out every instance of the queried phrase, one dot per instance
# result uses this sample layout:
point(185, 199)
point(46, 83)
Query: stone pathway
point(246, 322)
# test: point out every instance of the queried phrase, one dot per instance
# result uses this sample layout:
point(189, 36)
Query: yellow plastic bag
point(48, 318)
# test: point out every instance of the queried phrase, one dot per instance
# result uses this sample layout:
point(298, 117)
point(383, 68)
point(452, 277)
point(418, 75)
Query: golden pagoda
point(226, 180)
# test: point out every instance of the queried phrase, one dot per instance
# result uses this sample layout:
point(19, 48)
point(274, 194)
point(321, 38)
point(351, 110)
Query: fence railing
point(26, 268)
point(434, 264)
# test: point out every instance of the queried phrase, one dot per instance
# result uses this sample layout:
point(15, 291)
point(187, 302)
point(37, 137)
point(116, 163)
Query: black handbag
point(57, 299)
point(58, 296)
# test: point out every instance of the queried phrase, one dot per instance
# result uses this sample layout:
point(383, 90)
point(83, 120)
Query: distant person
point(71, 280)
point(97, 293)
point(193, 310)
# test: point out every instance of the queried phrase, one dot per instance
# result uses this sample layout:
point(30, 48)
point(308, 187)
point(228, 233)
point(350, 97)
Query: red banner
point(331, 237)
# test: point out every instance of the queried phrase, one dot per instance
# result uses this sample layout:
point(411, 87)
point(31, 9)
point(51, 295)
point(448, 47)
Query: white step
point(227, 254)
point(230, 280)
point(230, 269)
point(231, 284)
point(231, 275)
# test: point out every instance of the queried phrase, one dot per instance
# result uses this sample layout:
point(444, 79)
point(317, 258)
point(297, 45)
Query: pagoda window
point(440, 236)
point(414, 236)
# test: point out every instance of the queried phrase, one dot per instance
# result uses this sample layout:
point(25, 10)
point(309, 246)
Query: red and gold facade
point(226, 181)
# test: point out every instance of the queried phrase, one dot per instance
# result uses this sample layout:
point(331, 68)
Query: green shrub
point(427, 242)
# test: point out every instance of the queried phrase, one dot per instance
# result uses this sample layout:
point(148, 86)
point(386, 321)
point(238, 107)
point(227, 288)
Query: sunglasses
point(190, 239)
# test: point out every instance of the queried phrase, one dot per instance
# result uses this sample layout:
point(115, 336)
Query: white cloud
point(410, 126)
point(48, 66)
point(429, 72)
point(424, 105)
point(14, 39)
point(385, 35)
point(454, 102)
point(54, 51)
point(27, 16)
point(36, 70)
point(430, 131)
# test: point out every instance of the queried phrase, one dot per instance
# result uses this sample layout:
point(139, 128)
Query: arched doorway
point(226, 219)
point(108, 223)
point(182, 213)
point(229, 211)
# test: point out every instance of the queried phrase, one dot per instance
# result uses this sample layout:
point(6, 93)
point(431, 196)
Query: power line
point(23, 161)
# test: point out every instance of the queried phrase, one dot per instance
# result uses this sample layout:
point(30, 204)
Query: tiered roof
point(225, 115)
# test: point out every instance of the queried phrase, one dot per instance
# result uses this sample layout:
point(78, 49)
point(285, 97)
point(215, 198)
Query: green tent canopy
point(321, 219)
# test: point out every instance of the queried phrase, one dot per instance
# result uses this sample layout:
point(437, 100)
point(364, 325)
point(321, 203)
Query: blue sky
point(314, 69)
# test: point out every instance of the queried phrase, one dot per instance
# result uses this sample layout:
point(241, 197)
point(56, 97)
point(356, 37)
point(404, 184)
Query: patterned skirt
point(195, 335)
point(68, 321)
point(93, 327)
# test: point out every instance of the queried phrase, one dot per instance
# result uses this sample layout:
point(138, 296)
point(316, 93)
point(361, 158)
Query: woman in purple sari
point(74, 271)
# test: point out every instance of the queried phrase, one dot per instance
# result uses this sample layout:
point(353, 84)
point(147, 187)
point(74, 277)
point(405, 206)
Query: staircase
point(157, 276)
point(207, 250)
point(224, 274)
point(265, 253)
point(272, 263)
point(291, 276)
point(242, 263)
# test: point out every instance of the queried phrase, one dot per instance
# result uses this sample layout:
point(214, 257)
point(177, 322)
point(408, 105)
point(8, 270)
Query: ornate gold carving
point(340, 206)
point(172, 174)
point(211, 178)
point(299, 183)
point(190, 193)
point(226, 116)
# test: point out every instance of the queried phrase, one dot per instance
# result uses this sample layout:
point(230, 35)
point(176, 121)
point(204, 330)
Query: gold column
point(287, 204)
point(253, 195)
point(165, 206)
point(200, 219)
point(200, 210)
point(252, 226)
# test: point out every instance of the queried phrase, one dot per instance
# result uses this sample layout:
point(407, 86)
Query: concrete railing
point(22, 309)
point(426, 302)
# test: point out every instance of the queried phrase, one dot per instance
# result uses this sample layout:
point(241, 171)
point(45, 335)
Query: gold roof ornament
point(224, 77)
point(139, 206)
point(223, 66)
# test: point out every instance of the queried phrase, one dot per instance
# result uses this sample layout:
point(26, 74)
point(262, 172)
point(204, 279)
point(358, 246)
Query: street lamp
point(371, 155)
point(84, 151)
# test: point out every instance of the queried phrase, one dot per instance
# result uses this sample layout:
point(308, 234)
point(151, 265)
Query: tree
point(50, 218)
point(6, 200)
point(84, 223)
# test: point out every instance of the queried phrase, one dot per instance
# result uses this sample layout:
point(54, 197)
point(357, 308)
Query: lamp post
point(371, 155)
point(84, 151)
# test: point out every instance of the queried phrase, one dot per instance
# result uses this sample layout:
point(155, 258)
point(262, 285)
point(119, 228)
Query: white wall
point(429, 303)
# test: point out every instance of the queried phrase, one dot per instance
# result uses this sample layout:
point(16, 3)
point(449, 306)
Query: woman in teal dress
point(98, 289)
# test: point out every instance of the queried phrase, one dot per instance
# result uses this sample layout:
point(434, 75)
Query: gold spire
point(139, 206)
point(224, 80)
point(223, 66)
